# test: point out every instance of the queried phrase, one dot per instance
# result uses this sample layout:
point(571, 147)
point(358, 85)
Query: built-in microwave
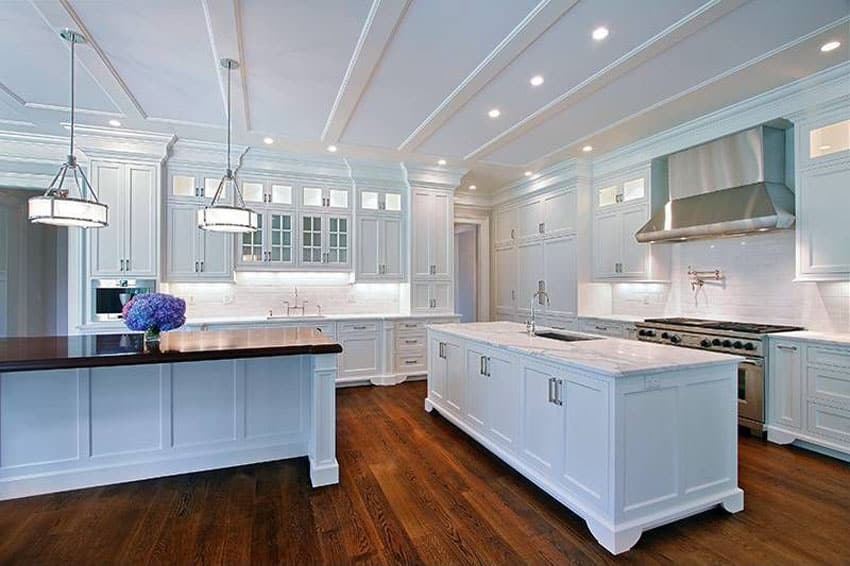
point(110, 295)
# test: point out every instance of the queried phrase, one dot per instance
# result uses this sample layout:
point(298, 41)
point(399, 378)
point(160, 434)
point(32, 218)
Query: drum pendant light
point(222, 217)
point(57, 206)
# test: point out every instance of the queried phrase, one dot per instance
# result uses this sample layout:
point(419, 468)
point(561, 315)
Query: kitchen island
point(81, 411)
point(628, 435)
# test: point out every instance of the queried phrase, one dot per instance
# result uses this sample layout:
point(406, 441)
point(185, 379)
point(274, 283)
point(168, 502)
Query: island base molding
point(77, 428)
point(780, 435)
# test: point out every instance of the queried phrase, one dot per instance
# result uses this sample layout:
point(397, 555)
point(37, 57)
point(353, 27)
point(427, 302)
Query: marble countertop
point(814, 336)
point(614, 317)
point(610, 356)
point(312, 318)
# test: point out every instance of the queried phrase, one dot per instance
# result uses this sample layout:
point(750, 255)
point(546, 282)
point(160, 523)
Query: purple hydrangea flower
point(154, 311)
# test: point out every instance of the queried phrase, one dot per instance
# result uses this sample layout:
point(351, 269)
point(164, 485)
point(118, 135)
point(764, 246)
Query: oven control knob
point(665, 335)
point(715, 342)
point(706, 343)
point(737, 345)
point(650, 333)
point(641, 332)
point(727, 343)
point(675, 339)
point(749, 346)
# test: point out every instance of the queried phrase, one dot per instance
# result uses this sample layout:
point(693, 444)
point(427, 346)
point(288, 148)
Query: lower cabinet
point(786, 385)
point(540, 412)
point(446, 374)
point(432, 296)
point(361, 351)
point(491, 392)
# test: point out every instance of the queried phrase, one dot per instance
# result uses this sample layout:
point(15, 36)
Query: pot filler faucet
point(531, 325)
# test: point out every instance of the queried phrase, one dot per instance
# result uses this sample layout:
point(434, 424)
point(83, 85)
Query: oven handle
point(753, 362)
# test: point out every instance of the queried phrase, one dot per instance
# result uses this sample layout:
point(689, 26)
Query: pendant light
point(57, 206)
point(220, 217)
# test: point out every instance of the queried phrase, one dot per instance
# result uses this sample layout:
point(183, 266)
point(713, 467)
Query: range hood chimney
point(730, 186)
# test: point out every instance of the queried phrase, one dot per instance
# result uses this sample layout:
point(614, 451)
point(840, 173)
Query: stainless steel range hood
point(734, 185)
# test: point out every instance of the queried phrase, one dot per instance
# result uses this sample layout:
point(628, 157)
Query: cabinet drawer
point(411, 363)
point(827, 357)
point(828, 383)
point(406, 326)
point(355, 327)
point(411, 341)
point(829, 422)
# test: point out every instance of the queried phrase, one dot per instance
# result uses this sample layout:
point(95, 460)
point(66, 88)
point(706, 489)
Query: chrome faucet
point(296, 306)
point(531, 325)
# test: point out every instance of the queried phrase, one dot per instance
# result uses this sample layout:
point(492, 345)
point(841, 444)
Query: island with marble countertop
point(82, 411)
point(628, 435)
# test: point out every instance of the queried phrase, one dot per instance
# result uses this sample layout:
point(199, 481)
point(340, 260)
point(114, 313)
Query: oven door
point(751, 393)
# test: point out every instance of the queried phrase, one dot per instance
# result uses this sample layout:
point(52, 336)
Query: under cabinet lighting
point(536, 80)
point(587, 148)
point(332, 148)
point(268, 141)
point(600, 33)
point(441, 162)
point(472, 187)
point(830, 46)
point(494, 113)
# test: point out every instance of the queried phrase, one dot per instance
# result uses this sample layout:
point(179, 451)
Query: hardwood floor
point(416, 490)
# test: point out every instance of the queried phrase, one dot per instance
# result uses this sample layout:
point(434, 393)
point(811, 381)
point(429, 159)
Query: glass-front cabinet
point(380, 200)
point(315, 197)
point(272, 245)
point(197, 186)
point(325, 241)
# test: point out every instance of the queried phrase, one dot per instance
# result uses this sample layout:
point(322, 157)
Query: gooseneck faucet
point(531, 325)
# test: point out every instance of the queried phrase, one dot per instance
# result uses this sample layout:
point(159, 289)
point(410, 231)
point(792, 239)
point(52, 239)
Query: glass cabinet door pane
point(312, 196)
point(369, 200)
point(280, 246)
point(829, 139)
point(252, 243)
point(338, 198)
point(252, 192)
point(607, 196)
point(311, 238)
point(393, 202)
point(183, 185)
point(281, 194)
point(633, 190)
point(338, 240)
point(211, 185)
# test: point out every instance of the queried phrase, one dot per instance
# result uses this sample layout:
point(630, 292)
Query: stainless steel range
point(728, 337)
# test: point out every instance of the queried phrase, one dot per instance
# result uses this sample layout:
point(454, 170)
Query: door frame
point(483, 223)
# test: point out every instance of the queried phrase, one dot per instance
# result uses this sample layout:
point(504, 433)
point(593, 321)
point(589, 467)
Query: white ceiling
point(411, 79)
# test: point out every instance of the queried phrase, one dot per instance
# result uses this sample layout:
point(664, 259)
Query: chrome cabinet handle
point(481, 366)
point(786, 347)
point(121, 268)
point(359, 328)
point(202, 266)
point(196, 267)
point(408, 325)
point(127, 264)
point(602, 328)
point(411, 362)
point(551, 395)
point(513, 234)
point(559, 383)
point(411, 341)
point(541, 228)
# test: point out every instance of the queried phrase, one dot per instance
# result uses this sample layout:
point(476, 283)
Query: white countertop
point(611, 356)
point(811, 335)
point(614, 317)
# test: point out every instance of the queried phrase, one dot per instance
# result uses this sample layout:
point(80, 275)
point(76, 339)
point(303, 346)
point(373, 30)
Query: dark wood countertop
point(84, 351)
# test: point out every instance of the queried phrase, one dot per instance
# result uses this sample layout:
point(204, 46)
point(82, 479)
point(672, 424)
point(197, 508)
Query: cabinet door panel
point(107, 243)
point(338, 240)
point(505, 226)
point(420, 295)
point(529, 218)
point(559, 211)
point(217, 256)
point(539, 413)
point(785, 385)
point(824, 240)
point(477, 390)
point(506, 278)
point(392, 242)
point(502, 410)
point(182, 237)
point(634, 254)
point(560, 266)
point(442, 292)
point(367, 246)
point(421, 229)
point(607, 244)
point(436, 372)
point(530, 260)
point(141, 234)
point(442, 234)
point(360, 355)
point(455, 377)
point(585, 454)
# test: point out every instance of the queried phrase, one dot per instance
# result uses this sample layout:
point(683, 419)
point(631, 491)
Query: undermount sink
point(565, 337)
point(307, 317)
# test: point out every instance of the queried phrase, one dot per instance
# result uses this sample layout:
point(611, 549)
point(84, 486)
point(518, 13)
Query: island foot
point(779, 437)
point(615, 542)
point(428, 405)
point(734, 503)
point(323, 474)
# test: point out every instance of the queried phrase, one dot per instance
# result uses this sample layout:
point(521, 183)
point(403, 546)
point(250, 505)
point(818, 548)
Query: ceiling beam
point(378, 30)
point(664, 40)
point(224, 29)
point(59, 14)
point(541, 18)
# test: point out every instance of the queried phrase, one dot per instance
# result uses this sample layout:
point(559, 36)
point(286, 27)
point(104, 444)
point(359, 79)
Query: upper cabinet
point(380, 236)
point(325, 241)
point(313, 197)
point(547, 216)
point(193, 254)
point(128, 247)
point(432, 213)
point(273, 245)
point(621, 207)
point(823, 198)
point(197, 187)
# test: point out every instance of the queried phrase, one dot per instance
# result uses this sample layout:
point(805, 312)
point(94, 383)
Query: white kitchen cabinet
point(267, 193)
point(614, 329)
point(272, 246)
point(539, 412)
point(505, 226)
point(196, 187)
point(432, 296)
point(447, 374)
point(548, 265)
point(195, 254)
point(361, 350)
point(380, 248)
point(334, 199)
point(785, 385)
point(823, 240)
point(491, 393)
point(128, 246)
point(475, 409)
point(377, 201)
point(325, 241)
point(547, 216)
point(505, 260)
point(432, 233)
point(531, 275)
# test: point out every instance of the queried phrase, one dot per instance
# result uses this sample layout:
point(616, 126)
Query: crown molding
point(99, 142)
point(375, 174)
point(433, 177)
point(555, 175)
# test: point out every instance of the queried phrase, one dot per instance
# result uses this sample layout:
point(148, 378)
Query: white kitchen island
point(628, 435)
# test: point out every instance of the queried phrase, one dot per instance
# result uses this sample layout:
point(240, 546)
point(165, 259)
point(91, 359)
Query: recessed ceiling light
point(332, 148)
point(600, 33)
point(472, 187)
point(587, 148)
point(528, 173)
point(115, 123)
point(268, 141)
point(536, 80)
point(494, 113)
point(441, 162)
point(830, 46)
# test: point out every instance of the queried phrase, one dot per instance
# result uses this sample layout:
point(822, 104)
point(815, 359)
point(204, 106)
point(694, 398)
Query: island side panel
point(324, 469)
point(76, 428)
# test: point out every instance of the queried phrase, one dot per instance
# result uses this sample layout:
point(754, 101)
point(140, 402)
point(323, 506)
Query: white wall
point(759, 286)
point(466, 266)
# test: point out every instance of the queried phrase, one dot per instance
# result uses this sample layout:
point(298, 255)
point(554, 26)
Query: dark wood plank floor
point(415, 490)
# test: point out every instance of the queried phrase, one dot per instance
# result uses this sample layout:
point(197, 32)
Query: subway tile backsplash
point(759, 286)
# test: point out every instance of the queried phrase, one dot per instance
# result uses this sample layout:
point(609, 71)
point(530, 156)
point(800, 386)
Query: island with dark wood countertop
point(81, 411)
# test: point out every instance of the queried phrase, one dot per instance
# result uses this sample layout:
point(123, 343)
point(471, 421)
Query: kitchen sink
point(565, 337)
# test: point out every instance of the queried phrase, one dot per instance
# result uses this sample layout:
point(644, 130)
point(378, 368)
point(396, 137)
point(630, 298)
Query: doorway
point(466, 271)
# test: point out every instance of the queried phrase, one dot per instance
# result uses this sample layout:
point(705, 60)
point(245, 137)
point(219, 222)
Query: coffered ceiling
point(411, 79)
